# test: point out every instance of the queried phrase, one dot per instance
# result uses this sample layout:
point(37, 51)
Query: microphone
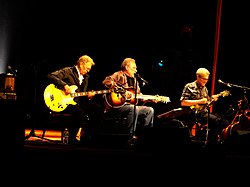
point(220, 81)
point(142, 79)
point(227, 84)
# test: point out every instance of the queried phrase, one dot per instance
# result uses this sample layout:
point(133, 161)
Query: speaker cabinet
point(7, 87)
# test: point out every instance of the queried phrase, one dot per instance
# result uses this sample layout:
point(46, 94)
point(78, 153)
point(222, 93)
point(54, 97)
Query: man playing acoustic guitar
point(195, 96)
point(127, 79)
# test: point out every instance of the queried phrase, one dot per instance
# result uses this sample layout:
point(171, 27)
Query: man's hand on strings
point(67, 89)
point(215, 97)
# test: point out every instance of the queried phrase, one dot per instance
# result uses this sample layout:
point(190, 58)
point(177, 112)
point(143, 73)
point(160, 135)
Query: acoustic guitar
point(116, 100)
point(57, 101)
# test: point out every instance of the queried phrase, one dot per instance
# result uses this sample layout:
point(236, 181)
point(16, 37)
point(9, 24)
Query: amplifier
point(10, 96)
point(7, 82)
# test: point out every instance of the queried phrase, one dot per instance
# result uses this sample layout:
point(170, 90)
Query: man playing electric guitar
point(77, 75)
point(196, 94)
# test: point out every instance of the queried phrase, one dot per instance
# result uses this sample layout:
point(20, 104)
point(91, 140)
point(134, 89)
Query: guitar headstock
point(163, 99)
point(224, 93)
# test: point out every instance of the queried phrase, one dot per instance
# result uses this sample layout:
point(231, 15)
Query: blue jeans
point(144, 113)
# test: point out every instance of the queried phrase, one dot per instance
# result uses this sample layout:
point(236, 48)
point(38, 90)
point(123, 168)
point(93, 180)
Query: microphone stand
point(207, 130)
point(208, 113)
point(235, 85)
point(133, 139)
point(135, 100)
point(135, 104)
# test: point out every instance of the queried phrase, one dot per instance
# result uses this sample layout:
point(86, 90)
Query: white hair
point(202, 71)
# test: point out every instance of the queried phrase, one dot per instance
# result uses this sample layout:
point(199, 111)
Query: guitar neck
point(152, 97)
point(145, 97)
point(211, 101)
point(78, 94)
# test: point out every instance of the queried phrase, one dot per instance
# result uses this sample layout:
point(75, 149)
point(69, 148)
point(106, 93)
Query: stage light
point(159, 65)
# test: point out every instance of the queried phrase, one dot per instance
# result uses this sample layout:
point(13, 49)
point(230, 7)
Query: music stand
point(174, 113)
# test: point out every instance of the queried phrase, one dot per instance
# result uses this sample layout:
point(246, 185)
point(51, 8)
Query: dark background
point(47, 35)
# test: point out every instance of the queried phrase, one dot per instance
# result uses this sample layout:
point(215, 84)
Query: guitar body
point(239, 125)
point(56, 100)
point(115, 100)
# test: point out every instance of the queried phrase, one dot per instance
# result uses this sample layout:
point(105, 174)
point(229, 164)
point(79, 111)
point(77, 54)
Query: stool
point(114, 123)
point(113, 131)
point(57, 122)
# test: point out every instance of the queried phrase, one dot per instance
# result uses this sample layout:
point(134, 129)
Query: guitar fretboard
point(163, 99)
point(78, 94)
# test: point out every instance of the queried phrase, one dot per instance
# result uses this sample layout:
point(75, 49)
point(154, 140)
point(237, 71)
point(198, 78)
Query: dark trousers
point(215, 124)
point(87, 117)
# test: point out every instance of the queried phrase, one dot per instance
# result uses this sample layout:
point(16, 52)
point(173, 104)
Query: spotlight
point(159, 65)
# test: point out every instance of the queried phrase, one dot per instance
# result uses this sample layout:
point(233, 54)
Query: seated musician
point(74, 80)
point(126, 78)
point(195, 95)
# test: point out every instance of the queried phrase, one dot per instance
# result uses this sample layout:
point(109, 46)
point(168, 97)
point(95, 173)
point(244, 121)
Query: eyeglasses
point(205, 79)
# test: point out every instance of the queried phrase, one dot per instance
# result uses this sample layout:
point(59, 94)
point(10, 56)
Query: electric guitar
point(202, 107)
point(116, 100)
point(57, 101)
